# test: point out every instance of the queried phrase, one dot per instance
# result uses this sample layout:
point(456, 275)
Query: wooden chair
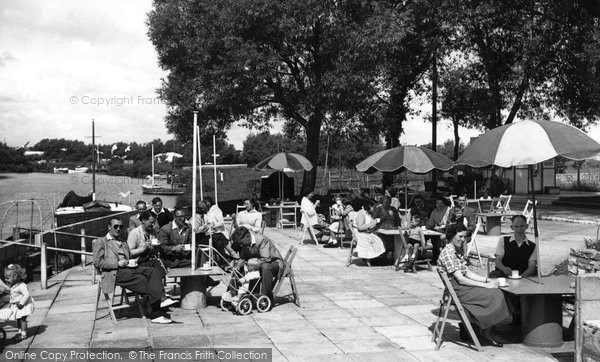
point(287, 217)
point(450, 298)
point(473, 244)
point(112, 307)
point(503, 203)
point(288, 272)
point(528, 211)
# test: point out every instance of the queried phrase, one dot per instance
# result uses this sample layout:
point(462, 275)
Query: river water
point(51, 188)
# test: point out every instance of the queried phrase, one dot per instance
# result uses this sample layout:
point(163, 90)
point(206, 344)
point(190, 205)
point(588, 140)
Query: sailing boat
point(75, 208)
point(153, 189)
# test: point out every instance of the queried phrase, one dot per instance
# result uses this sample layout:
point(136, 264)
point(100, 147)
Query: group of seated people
point(158, 239)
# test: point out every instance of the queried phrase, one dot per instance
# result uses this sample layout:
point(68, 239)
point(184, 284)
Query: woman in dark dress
point(389, 219)
point(480, 296)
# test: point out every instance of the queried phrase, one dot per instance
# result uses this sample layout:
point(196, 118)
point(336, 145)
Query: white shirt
point(251, 220)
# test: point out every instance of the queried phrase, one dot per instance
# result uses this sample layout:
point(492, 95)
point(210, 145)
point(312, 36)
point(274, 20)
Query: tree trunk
point(313, 131)
point(518, 99)
point(456, 137)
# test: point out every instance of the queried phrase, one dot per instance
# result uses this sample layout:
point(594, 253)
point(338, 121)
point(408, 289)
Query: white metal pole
point(194, 155)
point(199, 161)
point(153, 165)
point(215, 167)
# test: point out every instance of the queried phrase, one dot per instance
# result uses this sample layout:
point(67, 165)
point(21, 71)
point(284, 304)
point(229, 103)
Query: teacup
point(187, 247)
point(502, 281)
point(514, 274)
point(154, 241)
point(132, 263)
point(206, 265)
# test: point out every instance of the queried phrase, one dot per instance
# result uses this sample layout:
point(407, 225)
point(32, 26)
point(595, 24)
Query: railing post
point(83, 257)
point(43, 263)
point(15, 233)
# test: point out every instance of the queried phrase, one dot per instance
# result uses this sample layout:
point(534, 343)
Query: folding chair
point(112, 307)
point(528, 211)
point(503, 204)
point(288, 272)
point(287, 217)
point(450, 298)
point(473, 243)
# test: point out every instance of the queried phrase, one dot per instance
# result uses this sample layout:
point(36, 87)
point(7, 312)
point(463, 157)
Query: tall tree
point(253, 61)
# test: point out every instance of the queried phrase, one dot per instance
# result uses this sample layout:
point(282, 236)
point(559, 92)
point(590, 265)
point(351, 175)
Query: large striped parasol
point(281, 161)
point(528, 143)
point(400, 159)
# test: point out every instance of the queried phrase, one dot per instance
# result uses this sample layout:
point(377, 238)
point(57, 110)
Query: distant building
point(33, 153)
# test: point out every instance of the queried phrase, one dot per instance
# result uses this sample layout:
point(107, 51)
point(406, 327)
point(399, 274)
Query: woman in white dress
point(368, 245)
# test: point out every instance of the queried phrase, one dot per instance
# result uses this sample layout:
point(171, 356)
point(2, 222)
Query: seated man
point(420, 209)
point(134, 220)
point(163, 216)
point(262, 248)
point(111, 258)
point(143, 244)
point(515, 252)
point(175, 241)
point(468, 215)
point(249, 218)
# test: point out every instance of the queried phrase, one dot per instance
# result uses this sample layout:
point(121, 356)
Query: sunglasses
point(117, 227)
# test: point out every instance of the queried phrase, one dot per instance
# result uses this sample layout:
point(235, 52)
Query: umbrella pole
point(535, 226)
point(406, 198)
point(194, 171)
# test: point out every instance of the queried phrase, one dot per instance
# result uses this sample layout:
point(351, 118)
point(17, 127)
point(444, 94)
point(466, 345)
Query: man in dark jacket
point(249, 246)
point(175, 241)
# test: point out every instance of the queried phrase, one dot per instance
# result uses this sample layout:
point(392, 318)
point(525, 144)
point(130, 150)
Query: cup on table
point(132, 263)
point(187, 247)
point(514, 274)
point(206, 265)
point(502, 281)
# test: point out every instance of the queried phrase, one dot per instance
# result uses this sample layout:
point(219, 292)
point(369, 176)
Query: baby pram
point(243, 293)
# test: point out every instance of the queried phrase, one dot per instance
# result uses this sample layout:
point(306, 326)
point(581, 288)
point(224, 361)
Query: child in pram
point(244, 289)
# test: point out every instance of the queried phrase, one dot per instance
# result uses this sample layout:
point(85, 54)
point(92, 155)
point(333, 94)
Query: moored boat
point(79, 169)
point(60, 170)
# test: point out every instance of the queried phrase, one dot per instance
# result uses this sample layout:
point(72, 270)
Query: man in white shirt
point(249, 218)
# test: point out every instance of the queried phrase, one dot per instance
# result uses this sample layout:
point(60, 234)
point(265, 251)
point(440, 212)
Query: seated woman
point(368, 245)
point(480, 296)
point(339, 221)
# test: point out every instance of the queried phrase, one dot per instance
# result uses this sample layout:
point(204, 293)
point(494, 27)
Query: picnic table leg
point(542, 320)
point(193, 292)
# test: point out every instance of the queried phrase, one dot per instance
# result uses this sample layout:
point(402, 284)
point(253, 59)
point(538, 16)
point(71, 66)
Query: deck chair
point(288, 215)
point(307, 229)
point(288, 272)
point(450, 298)
point(354, 241)
point(123, 303)
point(473, 244)
point(528, 211)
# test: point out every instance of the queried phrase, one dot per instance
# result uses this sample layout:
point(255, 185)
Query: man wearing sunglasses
point(111, 258)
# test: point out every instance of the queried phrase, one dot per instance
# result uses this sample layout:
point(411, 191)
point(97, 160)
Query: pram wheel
point(244, 307)
point(263, 304)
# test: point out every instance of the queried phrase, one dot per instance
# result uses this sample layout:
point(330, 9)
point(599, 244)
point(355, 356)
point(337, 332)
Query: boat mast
point(153, 165)
point(93, 161)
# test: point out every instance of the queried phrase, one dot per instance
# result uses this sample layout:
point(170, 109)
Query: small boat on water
point(60, 170)
point(79, 169)
point(153, 189)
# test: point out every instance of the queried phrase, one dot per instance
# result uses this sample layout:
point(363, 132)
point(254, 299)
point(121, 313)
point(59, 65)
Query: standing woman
point(480, 296)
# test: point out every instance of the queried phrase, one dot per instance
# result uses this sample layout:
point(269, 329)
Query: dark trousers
point(154, 263)
point(436, 241)
point(268, 272)
point(143, 280)
point(219, 243)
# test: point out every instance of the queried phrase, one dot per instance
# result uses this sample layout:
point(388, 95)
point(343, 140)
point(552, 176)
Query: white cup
point(502, 281)
point(132, 263)
point(187, 247)
point(207, 265)
point(154, 241)
point(514, 273)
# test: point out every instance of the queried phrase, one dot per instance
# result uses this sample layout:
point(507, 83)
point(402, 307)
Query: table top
point(187, 272)
point(553, 284)
point(279, 206)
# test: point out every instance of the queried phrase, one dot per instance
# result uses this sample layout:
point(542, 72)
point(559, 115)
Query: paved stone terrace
point(348, 313)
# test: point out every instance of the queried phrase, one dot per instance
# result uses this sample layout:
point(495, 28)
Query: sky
point(66, 62)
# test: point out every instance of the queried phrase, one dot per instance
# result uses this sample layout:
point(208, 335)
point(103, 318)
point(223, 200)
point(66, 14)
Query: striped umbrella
point(281, 161)
point(412, 158)
point(528, 143)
